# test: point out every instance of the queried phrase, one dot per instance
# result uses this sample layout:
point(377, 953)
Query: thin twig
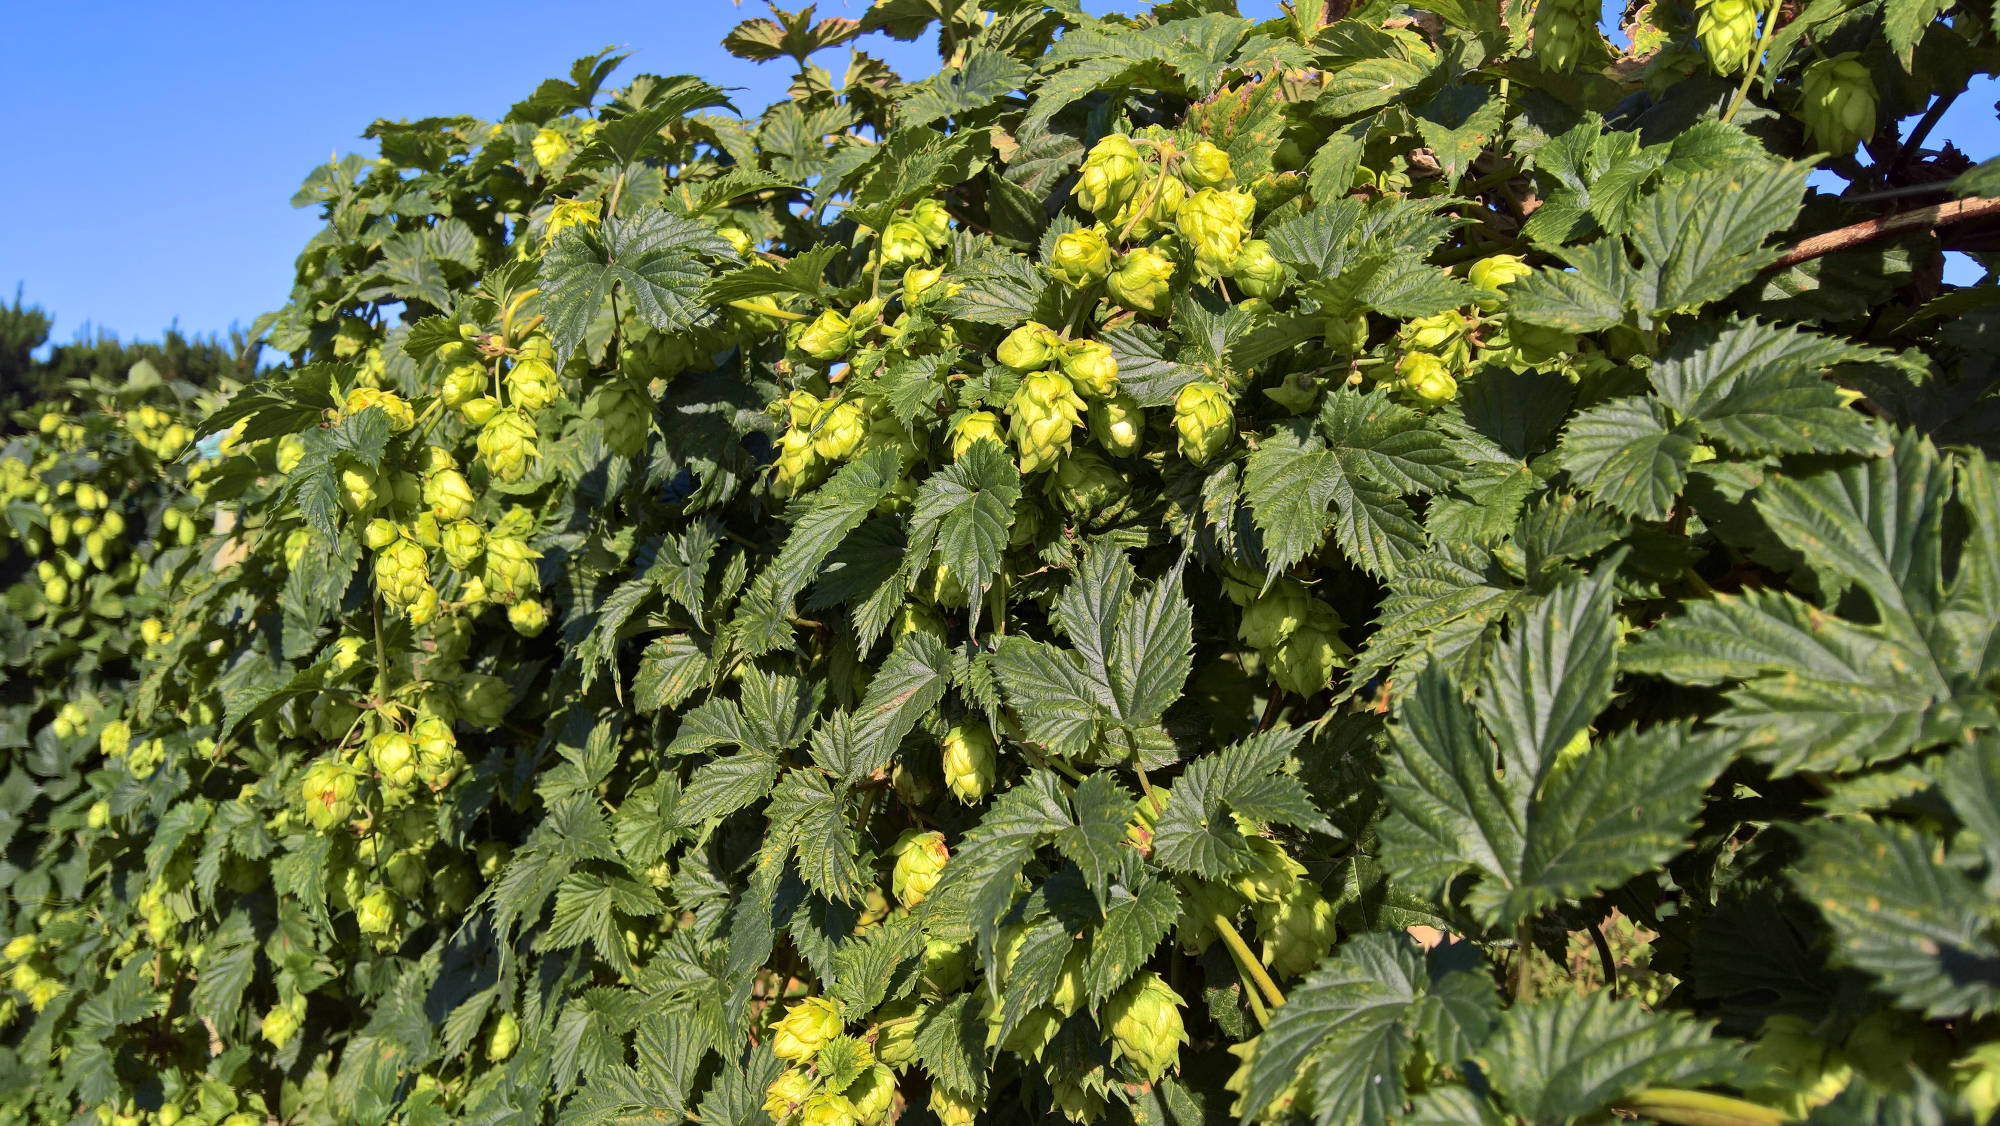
point(1937, 215)
point(1914, 142)
point(1605, 959)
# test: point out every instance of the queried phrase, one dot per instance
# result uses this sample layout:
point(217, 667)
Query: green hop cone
point(827, 1109)
point(1144, 1020)
point(377, 911)
point(1346, 334)
point(394, 759)
point(951, 1108)
point(511, 573)
point(1142, 282)
point(1444, 335)
point(528, 617)
point(358, 493)
point(1426, 377)
point(896, 1032)
point(483, 700)
point(461, 543)
point(1090, 366)
point(798, 467)
point(507, 444)
point(806, 1025)
point(480, 411)
point(1271, 875)
point(1561, 31)
point(1150, 210)
point(1257, 272)
point(970, 761)
point(1117, 425)
point(788, 1092)
point(1206, 167)
point(1215, 224)
point(402, 572)
point(903, 244)
point(462, 384)
point(328, 790)
point(873, 1096)
point(395, 407)
point(448, 496)
point(947, 965)
point(1089, 489)
point(1728, 33)
point(1080, 258)
point(1030, 347)
point(920, 284)
point(1297, 930)
point(505, 1037)
point(1045, 411)
point(531, 383)
point(828, 337)
point(625, 412)
point(1305, 662)
point(278, 1027)
point(920, 860)
point(438, 760)
point(114, 738)
point(1838, 103)
point(1496, 272)
point(840, 430)
point(291, 451)
point(975, 427)
point(1110, 175)
point(1205, 419)
point(933, 222)
point(1274, 614)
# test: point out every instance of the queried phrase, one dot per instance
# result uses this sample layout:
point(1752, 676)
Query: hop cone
point(1144, 1020)
point(1205, 421)
point(1728, 32)
point(1142, 281)
point(1839, 103)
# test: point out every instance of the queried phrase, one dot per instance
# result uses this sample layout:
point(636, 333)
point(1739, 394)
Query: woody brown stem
point(1844, 238)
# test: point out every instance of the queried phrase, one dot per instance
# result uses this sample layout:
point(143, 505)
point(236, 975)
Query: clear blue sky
point(151, 174)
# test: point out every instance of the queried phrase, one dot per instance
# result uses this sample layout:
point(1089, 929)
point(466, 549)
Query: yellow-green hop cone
point(1117, 425)
point(798, 467)
point(1090, 366)
point(952, 1109)
point(1142, 281)
point(896, 1032)
point(920, 860)
point(1089, 489)
point(1978, 1076)
point(291, 451)
point(970, 761)
point(1150, 210)
point(828, 337)
point(1426, 377)
point(437, 751)
point(328, 791)
point(932, 220)
point(1839, 103)
point(114, 738)
point(394, 758)
point(975, 427)
point(402, 571)
point(448, 496)
point(873, 1096)
point(1305, 662)
point(528, 617)
point(504, 1038)
point(920, 284)
point(395, 407)
point(462, 384)
point(1496, 272)
point(510, 568)
point(1215, 224)
point(1110, 175)
point(626, 413)
point(1275, 613)
point(1561, 30)
point(507, 444)
point(1080, 258)
point(1075, 1101)
point(1144, 1020)
point(278, 1027)
point(1257, 272)
point(479, 411)
point(1728, 33)
point(788, 1092)
point(378, 534)
point(357, 492)
point(1272, 874)
point(1031, 347)
point(1205, 419)
point(806, 1025)
point(1297, 930)
point(377, 912)
point(461, 544)
point(1045, 410)
point(1206, 167)
point(903, 243)
point(531, 383)
point(838, 433)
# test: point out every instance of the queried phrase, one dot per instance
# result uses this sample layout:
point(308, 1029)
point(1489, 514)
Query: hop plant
point(840, 431)
point(1728, 32)
point(970, 763)
point(1562, 30)
point(903, 243)
point(377, 912)
point(1110, 175)
point(393, 406)
point(528, 617)
point(1215, 224)
point(951, 1108)
point(402, 572)
point(920, 860)
point(1117, 425)
point(462, 544)
point(1080, 258)
point(827, 337)
point(1205, 419)
point(1029, 347)
point(462, 384)
point(1144, 1020)
point(1206, 166)
point(1090, 366)
point(806, 1025)
point(1496, 272)
point(873, 1096)
point(510, 567)
point(1257, 272)
point(507, 444)
point(1045, 411)
point(1142, 281)
point(531, 382)
point(933, 222)
point(975, 427)
point(395, 760)
point(1837, 103)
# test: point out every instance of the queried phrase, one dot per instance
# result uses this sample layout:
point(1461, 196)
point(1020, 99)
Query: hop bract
point(806, 1025)
point(1144, 1020)
point(1206, 166)
point(1118, 425)
point(1205, 419)
point(969, 761)
point(920, 860)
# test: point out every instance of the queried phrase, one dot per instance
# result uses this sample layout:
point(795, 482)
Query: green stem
point(763, 310)
point(1756, 64)
point(1246, 962)
point(1700, 1108)
point(381, 654)
point(1523, 977)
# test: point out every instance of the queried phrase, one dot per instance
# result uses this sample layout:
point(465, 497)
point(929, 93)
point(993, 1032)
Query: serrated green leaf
point(651, 258)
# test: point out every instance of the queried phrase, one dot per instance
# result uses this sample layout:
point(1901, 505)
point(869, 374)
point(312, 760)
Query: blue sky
point(182, 131)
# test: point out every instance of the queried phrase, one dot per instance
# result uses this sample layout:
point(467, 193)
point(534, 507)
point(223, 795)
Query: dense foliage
point(1388, 564)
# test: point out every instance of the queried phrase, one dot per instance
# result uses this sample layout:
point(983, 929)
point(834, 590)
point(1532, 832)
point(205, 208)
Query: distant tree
point(201, 361)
